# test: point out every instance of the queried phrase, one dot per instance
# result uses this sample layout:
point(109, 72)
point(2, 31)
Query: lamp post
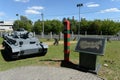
point(17, 15)
point(79, 5)
point(42, 24)
point(17, 19)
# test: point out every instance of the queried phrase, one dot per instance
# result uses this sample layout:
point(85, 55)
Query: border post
point(66, 40)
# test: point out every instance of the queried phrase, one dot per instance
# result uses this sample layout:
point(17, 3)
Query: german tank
point(22, 42)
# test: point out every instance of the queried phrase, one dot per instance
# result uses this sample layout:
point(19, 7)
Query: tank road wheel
point(44, 52)
point(15, 55)
point(9, 54)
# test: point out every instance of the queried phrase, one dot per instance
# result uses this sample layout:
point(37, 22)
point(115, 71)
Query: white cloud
point(24, 1)
point(110, 10)
point(2, 13)
point(36, 7)
point(34, 10)
point(92, 4)
point(30, 11)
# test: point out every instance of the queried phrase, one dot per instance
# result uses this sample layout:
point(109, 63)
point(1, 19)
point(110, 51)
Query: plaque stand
point(89, 49)
point(88, 62)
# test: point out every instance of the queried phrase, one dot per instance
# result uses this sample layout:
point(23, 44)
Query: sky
point(59, 9)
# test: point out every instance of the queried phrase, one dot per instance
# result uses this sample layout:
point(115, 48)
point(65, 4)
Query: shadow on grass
point(51, 60)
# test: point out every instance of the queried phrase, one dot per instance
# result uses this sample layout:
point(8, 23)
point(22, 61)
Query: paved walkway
point(46, 73)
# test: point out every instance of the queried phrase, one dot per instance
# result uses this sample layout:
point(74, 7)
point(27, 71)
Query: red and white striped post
point(66, 40)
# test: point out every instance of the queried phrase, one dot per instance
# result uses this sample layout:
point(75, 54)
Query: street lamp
point(17, 14)
point(79, 5)
point(43, 23)
point(17, 19)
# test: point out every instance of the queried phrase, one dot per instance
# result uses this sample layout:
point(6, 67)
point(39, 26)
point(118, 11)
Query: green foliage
point(54, 26)
point(111, 57)
point(37, 27)
point(96, 27)
point(48, 26)
point(84, 25)
point(74, 25)
point(16, 24)
point(23, 23)
point(1, 40)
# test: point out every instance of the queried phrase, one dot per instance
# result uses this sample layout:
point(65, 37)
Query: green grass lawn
point(55, 55)
point(1, 40)
point(112, 58)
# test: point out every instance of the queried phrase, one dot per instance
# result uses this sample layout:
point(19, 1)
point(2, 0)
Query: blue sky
point(58, 9)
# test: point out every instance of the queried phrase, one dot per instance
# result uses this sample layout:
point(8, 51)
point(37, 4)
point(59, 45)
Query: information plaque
point(91, 45)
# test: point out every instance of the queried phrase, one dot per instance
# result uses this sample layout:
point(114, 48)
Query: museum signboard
point(91, 45)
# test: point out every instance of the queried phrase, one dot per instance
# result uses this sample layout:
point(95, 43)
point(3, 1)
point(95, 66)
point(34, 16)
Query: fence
point(74, 36)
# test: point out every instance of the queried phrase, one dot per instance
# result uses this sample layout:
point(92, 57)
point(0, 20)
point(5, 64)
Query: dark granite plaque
point(91, 45)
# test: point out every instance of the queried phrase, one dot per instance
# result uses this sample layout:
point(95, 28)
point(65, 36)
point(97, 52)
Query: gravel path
point(46, 73)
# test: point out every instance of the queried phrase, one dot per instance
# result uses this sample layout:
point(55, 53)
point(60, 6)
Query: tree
point(73, 24)
point(47, 26)
point(54, 26)
point(27, 23)
point(95, 27)
point(37, 27)
point(106, 27)
point(24, 22)
point(84, 25)
point(16, 24)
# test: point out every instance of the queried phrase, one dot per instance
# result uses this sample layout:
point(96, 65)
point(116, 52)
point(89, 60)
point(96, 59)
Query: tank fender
point(15, 49)
point(45, 46)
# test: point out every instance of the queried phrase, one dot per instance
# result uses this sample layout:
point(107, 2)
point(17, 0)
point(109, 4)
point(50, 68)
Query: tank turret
point(22, 42)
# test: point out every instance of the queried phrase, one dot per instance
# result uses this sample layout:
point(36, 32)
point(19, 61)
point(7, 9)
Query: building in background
point(6, 26)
